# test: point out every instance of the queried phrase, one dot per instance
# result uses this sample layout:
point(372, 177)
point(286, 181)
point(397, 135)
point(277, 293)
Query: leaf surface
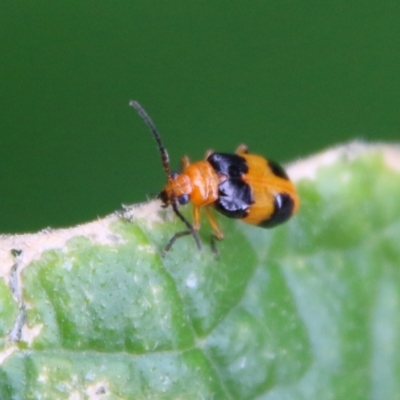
point(308, 310)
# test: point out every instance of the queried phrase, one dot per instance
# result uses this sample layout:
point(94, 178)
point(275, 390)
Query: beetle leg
point(208, 153)
point(185, 162)
point(177, 235)
point(189, 231)
point(214, 224)
point(214, 247)
point(196, 218)
point(242, 149)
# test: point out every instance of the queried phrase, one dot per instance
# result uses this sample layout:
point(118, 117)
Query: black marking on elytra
point(283, 210)
point(231, 165)
point(234, 195)
point(277, 170)
point(235, 198)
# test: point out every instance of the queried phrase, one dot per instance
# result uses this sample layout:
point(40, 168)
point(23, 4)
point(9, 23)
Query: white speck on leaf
point(191, 281)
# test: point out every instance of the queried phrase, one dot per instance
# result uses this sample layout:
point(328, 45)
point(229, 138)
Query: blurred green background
point(288, 78)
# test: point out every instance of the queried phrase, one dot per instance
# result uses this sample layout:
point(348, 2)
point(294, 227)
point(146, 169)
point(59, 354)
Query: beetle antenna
point(163, 151)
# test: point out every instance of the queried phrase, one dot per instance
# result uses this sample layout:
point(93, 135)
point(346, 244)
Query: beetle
point(243, 186)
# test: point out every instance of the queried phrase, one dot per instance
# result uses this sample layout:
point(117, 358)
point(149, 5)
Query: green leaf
point(308, 310)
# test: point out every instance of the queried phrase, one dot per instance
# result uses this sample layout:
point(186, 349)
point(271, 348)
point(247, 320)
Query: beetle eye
point(183, 199)
point(174, 175)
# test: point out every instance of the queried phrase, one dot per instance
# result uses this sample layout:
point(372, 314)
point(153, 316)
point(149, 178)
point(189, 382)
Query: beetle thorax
point(204, 182)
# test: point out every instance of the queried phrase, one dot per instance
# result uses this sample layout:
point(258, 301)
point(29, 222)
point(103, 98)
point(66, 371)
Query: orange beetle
point(241, 185)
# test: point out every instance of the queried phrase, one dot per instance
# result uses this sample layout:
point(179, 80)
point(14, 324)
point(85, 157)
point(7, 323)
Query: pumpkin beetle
point(242, 186)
